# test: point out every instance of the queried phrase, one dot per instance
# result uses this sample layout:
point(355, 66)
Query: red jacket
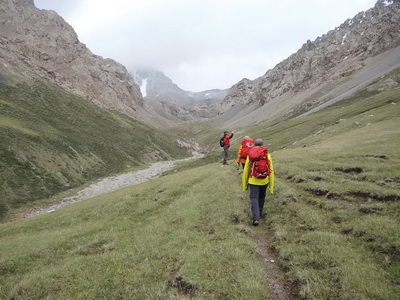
point(227, 139)
point(244, 149)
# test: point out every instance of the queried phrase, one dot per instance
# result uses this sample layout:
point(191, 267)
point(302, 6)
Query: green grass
point(335, 216)
point(53, 141)
point(333, 221)
point(162, 239)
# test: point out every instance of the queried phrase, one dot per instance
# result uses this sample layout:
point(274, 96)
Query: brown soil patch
point(280, 289)
point(350, 170)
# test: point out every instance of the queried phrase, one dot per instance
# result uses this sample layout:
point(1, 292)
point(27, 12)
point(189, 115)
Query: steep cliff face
point(337, 55)
point(40, 44)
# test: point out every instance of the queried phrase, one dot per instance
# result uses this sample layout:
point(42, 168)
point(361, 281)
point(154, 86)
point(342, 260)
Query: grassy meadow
point(333, 222)
point(180, 235)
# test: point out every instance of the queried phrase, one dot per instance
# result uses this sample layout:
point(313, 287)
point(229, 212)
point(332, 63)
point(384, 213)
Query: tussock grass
point(336, 212)
point(180, 236)
point(327, 265)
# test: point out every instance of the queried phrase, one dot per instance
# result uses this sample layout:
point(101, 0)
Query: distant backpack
point(260, 167)
point(221, 141)
point(247, 144)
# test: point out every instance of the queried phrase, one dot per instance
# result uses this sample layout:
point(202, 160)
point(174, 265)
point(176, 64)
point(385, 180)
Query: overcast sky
point(202, 44)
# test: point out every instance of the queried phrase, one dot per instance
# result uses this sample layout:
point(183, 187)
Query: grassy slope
point(52, 141)
point(336, 219)
point(180, 234)
point(335, 216)
point(334, 222)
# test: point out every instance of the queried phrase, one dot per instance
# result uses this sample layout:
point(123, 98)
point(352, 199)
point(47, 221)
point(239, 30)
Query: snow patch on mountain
point(143, 87)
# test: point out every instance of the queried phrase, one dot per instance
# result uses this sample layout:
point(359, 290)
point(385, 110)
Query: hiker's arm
point(245, 175)
point(271, 176)
point(239, 156)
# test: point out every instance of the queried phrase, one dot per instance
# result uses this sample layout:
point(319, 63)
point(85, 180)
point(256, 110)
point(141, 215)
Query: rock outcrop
point(38, 43)
point(333, 57)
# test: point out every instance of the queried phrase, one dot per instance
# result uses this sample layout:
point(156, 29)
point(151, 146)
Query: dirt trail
point(110, 184)
point(279, 288)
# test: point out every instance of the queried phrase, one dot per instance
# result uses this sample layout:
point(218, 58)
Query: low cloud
point(202, 44)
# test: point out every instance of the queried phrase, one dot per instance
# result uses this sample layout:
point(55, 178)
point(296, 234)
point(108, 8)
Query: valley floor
point(104, 186)
point(279, 288)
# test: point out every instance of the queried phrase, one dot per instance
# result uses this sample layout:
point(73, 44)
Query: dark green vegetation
point(333, 221)
point(52, 141)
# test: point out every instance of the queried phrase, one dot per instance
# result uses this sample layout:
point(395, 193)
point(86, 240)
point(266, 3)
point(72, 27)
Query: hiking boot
point(255, 223)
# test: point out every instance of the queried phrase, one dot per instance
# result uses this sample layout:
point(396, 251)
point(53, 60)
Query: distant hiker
point(226, 143)
point(258, 174)
point(244, 148)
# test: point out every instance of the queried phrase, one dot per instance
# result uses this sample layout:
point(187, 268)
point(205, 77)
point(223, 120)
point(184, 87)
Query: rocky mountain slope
point(330, 68)
point(60, 111)
point(170, 101)
point(38, 43)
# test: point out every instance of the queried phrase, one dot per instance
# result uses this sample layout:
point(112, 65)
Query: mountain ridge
point(40, 44)
point(303, 80)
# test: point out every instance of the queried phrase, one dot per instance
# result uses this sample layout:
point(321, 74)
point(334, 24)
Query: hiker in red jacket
point(258, 177)
point(227, 144)
point(244, 148)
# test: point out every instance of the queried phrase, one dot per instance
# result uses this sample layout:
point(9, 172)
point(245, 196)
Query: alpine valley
point(329, 115)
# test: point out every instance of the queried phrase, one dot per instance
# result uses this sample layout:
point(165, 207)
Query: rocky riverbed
point(112, 183)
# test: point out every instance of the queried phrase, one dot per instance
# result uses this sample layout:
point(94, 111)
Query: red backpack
point(247, 144)
point(260, 167)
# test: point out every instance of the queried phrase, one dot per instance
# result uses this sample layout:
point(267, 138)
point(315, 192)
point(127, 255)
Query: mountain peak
point(166, 98)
